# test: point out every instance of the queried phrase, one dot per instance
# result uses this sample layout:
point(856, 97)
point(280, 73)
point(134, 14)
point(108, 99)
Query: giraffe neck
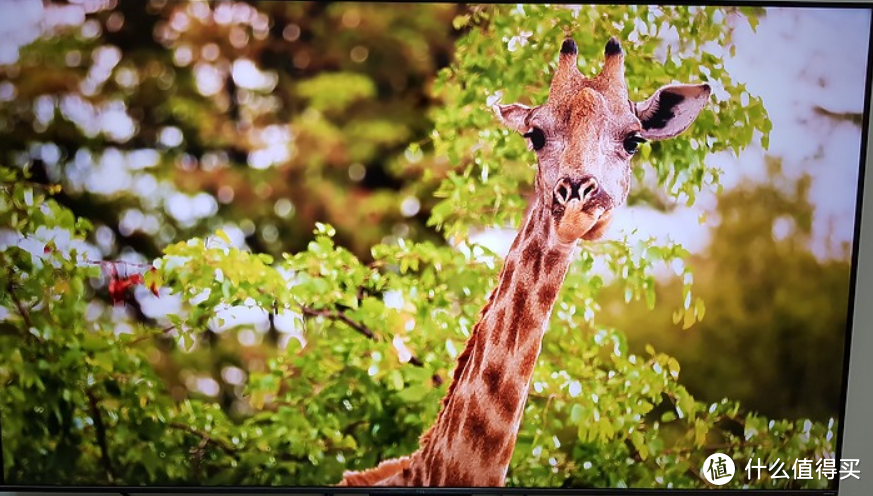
point(474, 436)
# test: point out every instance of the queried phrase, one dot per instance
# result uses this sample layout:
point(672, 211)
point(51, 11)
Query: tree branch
point(100, 428)
point(196, 458)
point(25, 316)
point(341, 316)
point(140, 339)
point(205, 437)
point(22, 311)
point(543, 417)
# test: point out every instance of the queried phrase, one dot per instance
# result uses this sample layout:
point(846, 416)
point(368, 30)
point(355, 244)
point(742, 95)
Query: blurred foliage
point(289, 113)
point(361, 335)
point(771, 302)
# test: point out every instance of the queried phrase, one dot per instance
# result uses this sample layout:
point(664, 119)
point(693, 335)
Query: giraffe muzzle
point(583, 189)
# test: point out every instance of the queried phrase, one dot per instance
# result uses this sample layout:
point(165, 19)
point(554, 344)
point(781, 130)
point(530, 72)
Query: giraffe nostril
point(564, 191)
point(583, 189)
point(589, 188)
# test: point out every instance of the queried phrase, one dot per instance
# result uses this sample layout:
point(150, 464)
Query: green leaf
point(577, 413)
point(673, 367)
point(639, 444)
point(413, 393)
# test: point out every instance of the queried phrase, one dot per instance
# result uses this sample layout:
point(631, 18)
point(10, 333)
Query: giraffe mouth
point(575, 219)
point(578, 205)
point(598, 203)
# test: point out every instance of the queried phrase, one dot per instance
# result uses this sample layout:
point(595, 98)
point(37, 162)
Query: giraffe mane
point(376, 475)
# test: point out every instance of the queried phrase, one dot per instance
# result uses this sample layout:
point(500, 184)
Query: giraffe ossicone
point(584, 137)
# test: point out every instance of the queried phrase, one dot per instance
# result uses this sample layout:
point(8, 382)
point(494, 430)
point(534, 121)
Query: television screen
point(319, 247)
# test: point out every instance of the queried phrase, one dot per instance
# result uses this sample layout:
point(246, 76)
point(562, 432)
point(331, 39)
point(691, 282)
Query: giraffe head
point(586, 133)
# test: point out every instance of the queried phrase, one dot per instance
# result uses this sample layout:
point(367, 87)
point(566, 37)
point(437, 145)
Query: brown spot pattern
point(532, 257)
point(436, 473)
point(460, 414)
point(479, 434)
point(508, 401)
point(492, 376)
point(452, 418)
point(552, 259)
point(455, 475)
point(528, 229)
point(464, 478)
point(546, 294)
point(478, 354)
point(507, 406)
point(499, 326)
point(474, 429)
point(527, 364)
point(506, 455)
point(501, 320)
point(525, 322)
point(519, 313)
point(506, 280)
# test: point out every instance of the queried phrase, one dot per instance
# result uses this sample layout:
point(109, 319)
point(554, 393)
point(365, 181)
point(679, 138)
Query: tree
point(372, 338)
point(231, 113)
point(768, 299)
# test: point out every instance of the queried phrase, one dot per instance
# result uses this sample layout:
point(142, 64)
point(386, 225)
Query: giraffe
point(584, 136)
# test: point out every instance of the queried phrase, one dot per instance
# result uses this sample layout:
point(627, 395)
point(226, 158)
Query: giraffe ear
point(514, 116)
point(671, 110)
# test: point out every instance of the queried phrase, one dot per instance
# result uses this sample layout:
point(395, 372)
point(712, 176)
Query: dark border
point(853, 276)
point(856, 251)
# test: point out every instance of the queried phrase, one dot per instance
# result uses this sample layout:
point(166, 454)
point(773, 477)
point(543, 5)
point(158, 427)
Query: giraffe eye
point(632, 143)
point(537, 138)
